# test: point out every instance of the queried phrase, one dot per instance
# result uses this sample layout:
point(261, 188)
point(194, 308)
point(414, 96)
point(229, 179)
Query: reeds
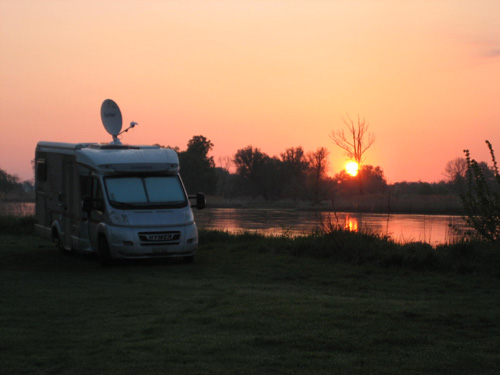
point(367, 249)
point(335, 243)
point(482, 199)
point(12, 224)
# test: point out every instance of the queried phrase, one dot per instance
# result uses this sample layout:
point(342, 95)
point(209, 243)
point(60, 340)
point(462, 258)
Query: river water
point(433, 229)
point(17, 208)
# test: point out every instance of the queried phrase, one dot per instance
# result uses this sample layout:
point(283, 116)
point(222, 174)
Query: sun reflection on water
point(351, 224)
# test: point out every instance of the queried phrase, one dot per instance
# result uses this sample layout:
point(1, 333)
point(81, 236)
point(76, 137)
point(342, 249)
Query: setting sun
point(352, 168)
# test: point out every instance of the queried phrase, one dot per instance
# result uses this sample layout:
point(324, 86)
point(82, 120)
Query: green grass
point(371, 249)
point(248, 305)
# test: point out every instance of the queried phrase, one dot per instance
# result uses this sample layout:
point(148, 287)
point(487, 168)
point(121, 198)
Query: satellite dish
point(111, 118)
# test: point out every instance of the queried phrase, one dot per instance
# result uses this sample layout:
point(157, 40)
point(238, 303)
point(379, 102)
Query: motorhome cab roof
point(112, 158)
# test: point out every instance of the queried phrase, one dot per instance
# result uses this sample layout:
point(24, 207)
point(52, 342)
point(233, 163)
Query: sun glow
point(352, 168)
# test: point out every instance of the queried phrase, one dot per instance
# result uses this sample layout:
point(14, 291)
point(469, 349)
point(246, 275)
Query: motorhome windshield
point(136, 192)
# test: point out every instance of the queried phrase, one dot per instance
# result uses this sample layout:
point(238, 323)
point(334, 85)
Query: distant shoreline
point(367, 203)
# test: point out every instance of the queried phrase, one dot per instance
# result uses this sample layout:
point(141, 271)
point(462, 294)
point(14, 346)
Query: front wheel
point(59, 242)
point(104, 253)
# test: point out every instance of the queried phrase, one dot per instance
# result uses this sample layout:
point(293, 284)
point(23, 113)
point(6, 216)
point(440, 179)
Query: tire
point(104, 253)
point(59, 243)
point(188, 259)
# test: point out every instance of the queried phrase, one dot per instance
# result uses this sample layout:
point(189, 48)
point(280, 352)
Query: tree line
point(294, 174)
point(298, 174)
point(12, 187)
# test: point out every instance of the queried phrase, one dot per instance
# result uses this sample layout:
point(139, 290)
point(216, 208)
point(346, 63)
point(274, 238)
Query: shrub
point(482, 199)
point(17, 224)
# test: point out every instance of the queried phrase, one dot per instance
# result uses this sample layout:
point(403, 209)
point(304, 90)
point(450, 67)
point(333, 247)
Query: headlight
point(189, 218)
point(118, 218)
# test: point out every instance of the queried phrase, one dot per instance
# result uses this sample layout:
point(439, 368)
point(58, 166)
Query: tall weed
point(482, 199)
point(10, 224)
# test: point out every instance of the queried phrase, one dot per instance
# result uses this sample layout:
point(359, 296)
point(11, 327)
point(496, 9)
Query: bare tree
point(456, 169)
point(225, 163)
point(356, 141)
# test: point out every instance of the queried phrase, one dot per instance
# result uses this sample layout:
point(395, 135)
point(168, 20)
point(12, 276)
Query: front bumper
point(153, 242)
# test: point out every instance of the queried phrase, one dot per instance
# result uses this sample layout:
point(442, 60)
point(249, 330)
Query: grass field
point(245, 306)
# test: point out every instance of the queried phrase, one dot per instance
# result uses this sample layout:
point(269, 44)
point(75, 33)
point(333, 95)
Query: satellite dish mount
point(111, 118)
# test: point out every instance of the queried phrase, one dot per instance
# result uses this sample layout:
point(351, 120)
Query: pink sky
point(272, 74)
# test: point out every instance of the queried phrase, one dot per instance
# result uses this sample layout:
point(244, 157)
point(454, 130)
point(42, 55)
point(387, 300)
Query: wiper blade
point(167, 204)
point(122, 204)
point(149, 205)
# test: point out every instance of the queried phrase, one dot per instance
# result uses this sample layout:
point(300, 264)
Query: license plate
point(160, 250)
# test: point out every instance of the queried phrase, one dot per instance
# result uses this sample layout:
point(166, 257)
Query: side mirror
point(200, 200)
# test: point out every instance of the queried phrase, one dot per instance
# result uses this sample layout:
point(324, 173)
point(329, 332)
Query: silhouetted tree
point(197, 168)
point(421, 188)
point(455, 172)
point(455, 168)
point(12, 188)
point(294, 167)
point(274, 180)
point(223, 173)
point(355, 143)
point(318, 166)
point(8, 182)
point(372, 179)
point(251, 167)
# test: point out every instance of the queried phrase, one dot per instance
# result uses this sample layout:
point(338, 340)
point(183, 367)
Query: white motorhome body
point(119, 201)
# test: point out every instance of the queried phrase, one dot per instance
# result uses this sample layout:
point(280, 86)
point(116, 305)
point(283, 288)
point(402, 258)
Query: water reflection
point(433, 229)
point(17, 208)
point(351, 224)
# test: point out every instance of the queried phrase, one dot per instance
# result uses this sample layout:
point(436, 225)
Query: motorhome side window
point(85, 186)
point(98, 203)
point(41, 170)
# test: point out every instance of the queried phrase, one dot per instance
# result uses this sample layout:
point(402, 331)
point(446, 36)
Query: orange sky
point(271, 74)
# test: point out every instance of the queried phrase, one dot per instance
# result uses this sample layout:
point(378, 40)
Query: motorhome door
point(97, 212)
point(66, 202)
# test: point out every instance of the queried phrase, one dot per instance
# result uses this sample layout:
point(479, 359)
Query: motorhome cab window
point(157, 191)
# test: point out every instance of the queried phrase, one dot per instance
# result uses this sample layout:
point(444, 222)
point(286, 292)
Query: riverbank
point(250, 303)
point(334, 243)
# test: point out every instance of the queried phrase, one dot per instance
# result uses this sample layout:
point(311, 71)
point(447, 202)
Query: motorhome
point(115, 200)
